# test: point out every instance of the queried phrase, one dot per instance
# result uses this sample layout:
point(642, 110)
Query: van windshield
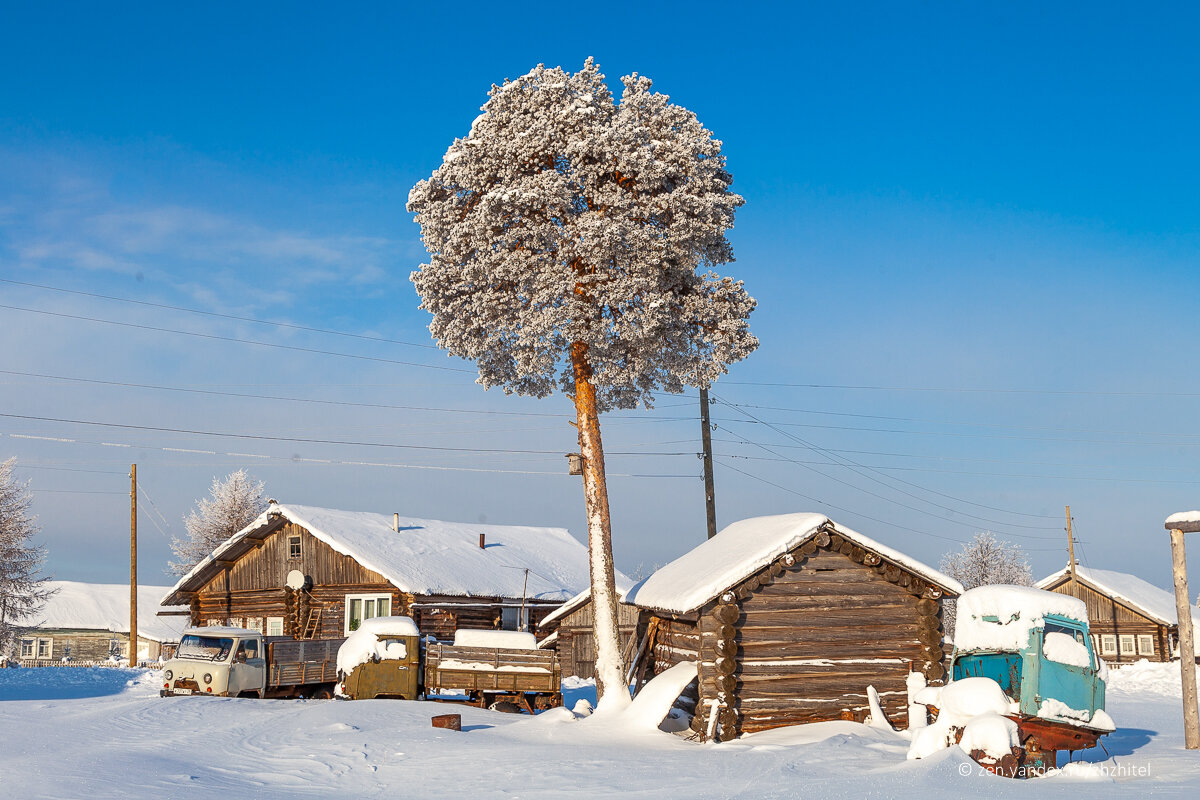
point(204, 648)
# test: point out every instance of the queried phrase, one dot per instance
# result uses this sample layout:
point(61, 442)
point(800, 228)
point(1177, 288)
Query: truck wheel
point(506, 707)
point(323, 693)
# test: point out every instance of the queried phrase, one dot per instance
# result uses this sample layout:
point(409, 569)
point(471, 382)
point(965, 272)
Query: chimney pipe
point(482, 544)
point(396, 522)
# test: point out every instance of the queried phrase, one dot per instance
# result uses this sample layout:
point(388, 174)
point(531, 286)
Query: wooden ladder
point(313, 624)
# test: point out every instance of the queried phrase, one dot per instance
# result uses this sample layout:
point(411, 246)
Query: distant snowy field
point(105, 733)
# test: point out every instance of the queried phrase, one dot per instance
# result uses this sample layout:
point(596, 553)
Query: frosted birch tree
point(571, 239)
point(23, 590)
point(984, 561)
point(232, 504)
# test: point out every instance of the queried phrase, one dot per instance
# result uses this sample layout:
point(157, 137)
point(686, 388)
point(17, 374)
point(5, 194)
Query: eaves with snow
point(425, 556)
point(742, 549)
point(1141, 596)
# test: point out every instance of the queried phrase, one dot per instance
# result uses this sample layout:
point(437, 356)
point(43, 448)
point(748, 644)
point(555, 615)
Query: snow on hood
point(742, 549)
point(1016, 609)
point(1143, 597)
point(430, 556)
point(105, 607)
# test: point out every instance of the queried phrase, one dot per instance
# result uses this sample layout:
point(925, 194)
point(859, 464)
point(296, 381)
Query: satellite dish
point(296, 580)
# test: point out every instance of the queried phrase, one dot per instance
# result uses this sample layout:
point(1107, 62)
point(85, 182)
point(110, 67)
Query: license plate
point(182, 691)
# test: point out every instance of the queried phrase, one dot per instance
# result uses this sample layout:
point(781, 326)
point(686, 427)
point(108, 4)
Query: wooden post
point(1071, 547)
point(1187, 651)
point(133, 631)
point(710, 503)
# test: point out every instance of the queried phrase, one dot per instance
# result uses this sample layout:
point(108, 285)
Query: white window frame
point(45, 648)
point(274, 626)
point(298, 540)
point(28, 648)
point(1145, 644)
point(1108, 644)
point(254, 624)
point(1131, 650)
point(364, 599)
point(214, 623)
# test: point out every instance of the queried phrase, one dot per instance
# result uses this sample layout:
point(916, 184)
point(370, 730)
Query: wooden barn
point(1129, 618)
point(317, 573)
point(568, 630)
point(790, 618)
point(87, 622)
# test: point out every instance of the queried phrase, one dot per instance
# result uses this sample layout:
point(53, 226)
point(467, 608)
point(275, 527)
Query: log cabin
point(569, 630)
point(1129, 618)
point(790, 618)
point(89, 622)
point(317, 573)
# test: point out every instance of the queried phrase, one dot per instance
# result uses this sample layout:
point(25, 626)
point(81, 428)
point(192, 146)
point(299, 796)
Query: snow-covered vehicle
point(236, 662)
point(1035, 647)
point(488, 668)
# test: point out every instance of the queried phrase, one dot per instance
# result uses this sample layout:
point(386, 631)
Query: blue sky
point(987, 215)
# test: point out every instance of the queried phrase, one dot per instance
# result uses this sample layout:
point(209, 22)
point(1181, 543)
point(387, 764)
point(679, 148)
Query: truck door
point(248, 671)
point(1068, 669)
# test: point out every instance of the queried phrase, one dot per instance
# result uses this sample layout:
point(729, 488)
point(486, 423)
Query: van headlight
point(207, 677)
point(168, 675)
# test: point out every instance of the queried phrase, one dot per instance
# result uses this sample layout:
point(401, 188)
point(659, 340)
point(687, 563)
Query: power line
point(235, 339)
point(855, 467)
point(965, 390)
point(327, 461)
point(263, 437)
point(215, 314)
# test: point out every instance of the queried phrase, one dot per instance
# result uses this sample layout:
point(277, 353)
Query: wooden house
point(317, 573)
point(87, 622)
point(790, 618)
point(1129, 619)
point(568, 630)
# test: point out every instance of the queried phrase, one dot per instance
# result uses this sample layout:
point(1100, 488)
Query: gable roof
point(742, 549)
point(426, 556)
point(623, 583)
point(1142, 596)
point(105, 607)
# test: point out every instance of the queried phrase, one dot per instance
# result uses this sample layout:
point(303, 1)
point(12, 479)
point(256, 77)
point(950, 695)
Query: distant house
point(1129, 618)
point(790, 618)
point(90, 622)
point(317, 573)
point(569, 630)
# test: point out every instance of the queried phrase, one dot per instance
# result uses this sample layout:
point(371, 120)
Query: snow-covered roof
point(745, 547)
point(105, 607)
point(623, 581)
point(1000, 616)
point(1143, 597)
point(1183, 516)
point(430, 556)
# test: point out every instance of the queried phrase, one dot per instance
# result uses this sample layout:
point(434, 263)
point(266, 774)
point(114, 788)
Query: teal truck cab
point(1036, 646)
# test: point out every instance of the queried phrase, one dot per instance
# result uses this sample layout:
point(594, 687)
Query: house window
point(114, 648)
point(28, 648)
point(45, 648)
point(514, 619)
point(254, 623)
point(1145, 644)
point(1108, 644)
point(274, 626)
point(215, 623)
point(1127, 644)
point(294, 546)
point(366, 606)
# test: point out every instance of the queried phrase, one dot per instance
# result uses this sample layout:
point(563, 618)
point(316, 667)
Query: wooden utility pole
point(1071, 547)
point(710, 503)
point(133, 630)
point(1178, 525)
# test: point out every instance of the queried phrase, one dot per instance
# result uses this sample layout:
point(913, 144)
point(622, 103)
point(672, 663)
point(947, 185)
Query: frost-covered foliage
point(23, 591)
point(565, 218)
point(983, 561)
point(232, 504)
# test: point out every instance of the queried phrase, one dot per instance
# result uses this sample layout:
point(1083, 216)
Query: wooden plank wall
point(1107, 616)
point(576, 644)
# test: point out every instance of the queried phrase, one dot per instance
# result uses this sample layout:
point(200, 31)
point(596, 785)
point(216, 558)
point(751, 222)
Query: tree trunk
point(610, 679)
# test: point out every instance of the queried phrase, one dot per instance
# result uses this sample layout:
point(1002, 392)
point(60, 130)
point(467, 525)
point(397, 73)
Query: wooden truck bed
point(491, 669)
point(295, 663)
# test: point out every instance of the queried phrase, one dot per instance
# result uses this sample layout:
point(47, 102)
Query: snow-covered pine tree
point(232, 504)
point(23, 590)
point(570, 243)
point(984, 561)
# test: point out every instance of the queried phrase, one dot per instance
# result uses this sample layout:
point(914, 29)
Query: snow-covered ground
point(102, 733)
